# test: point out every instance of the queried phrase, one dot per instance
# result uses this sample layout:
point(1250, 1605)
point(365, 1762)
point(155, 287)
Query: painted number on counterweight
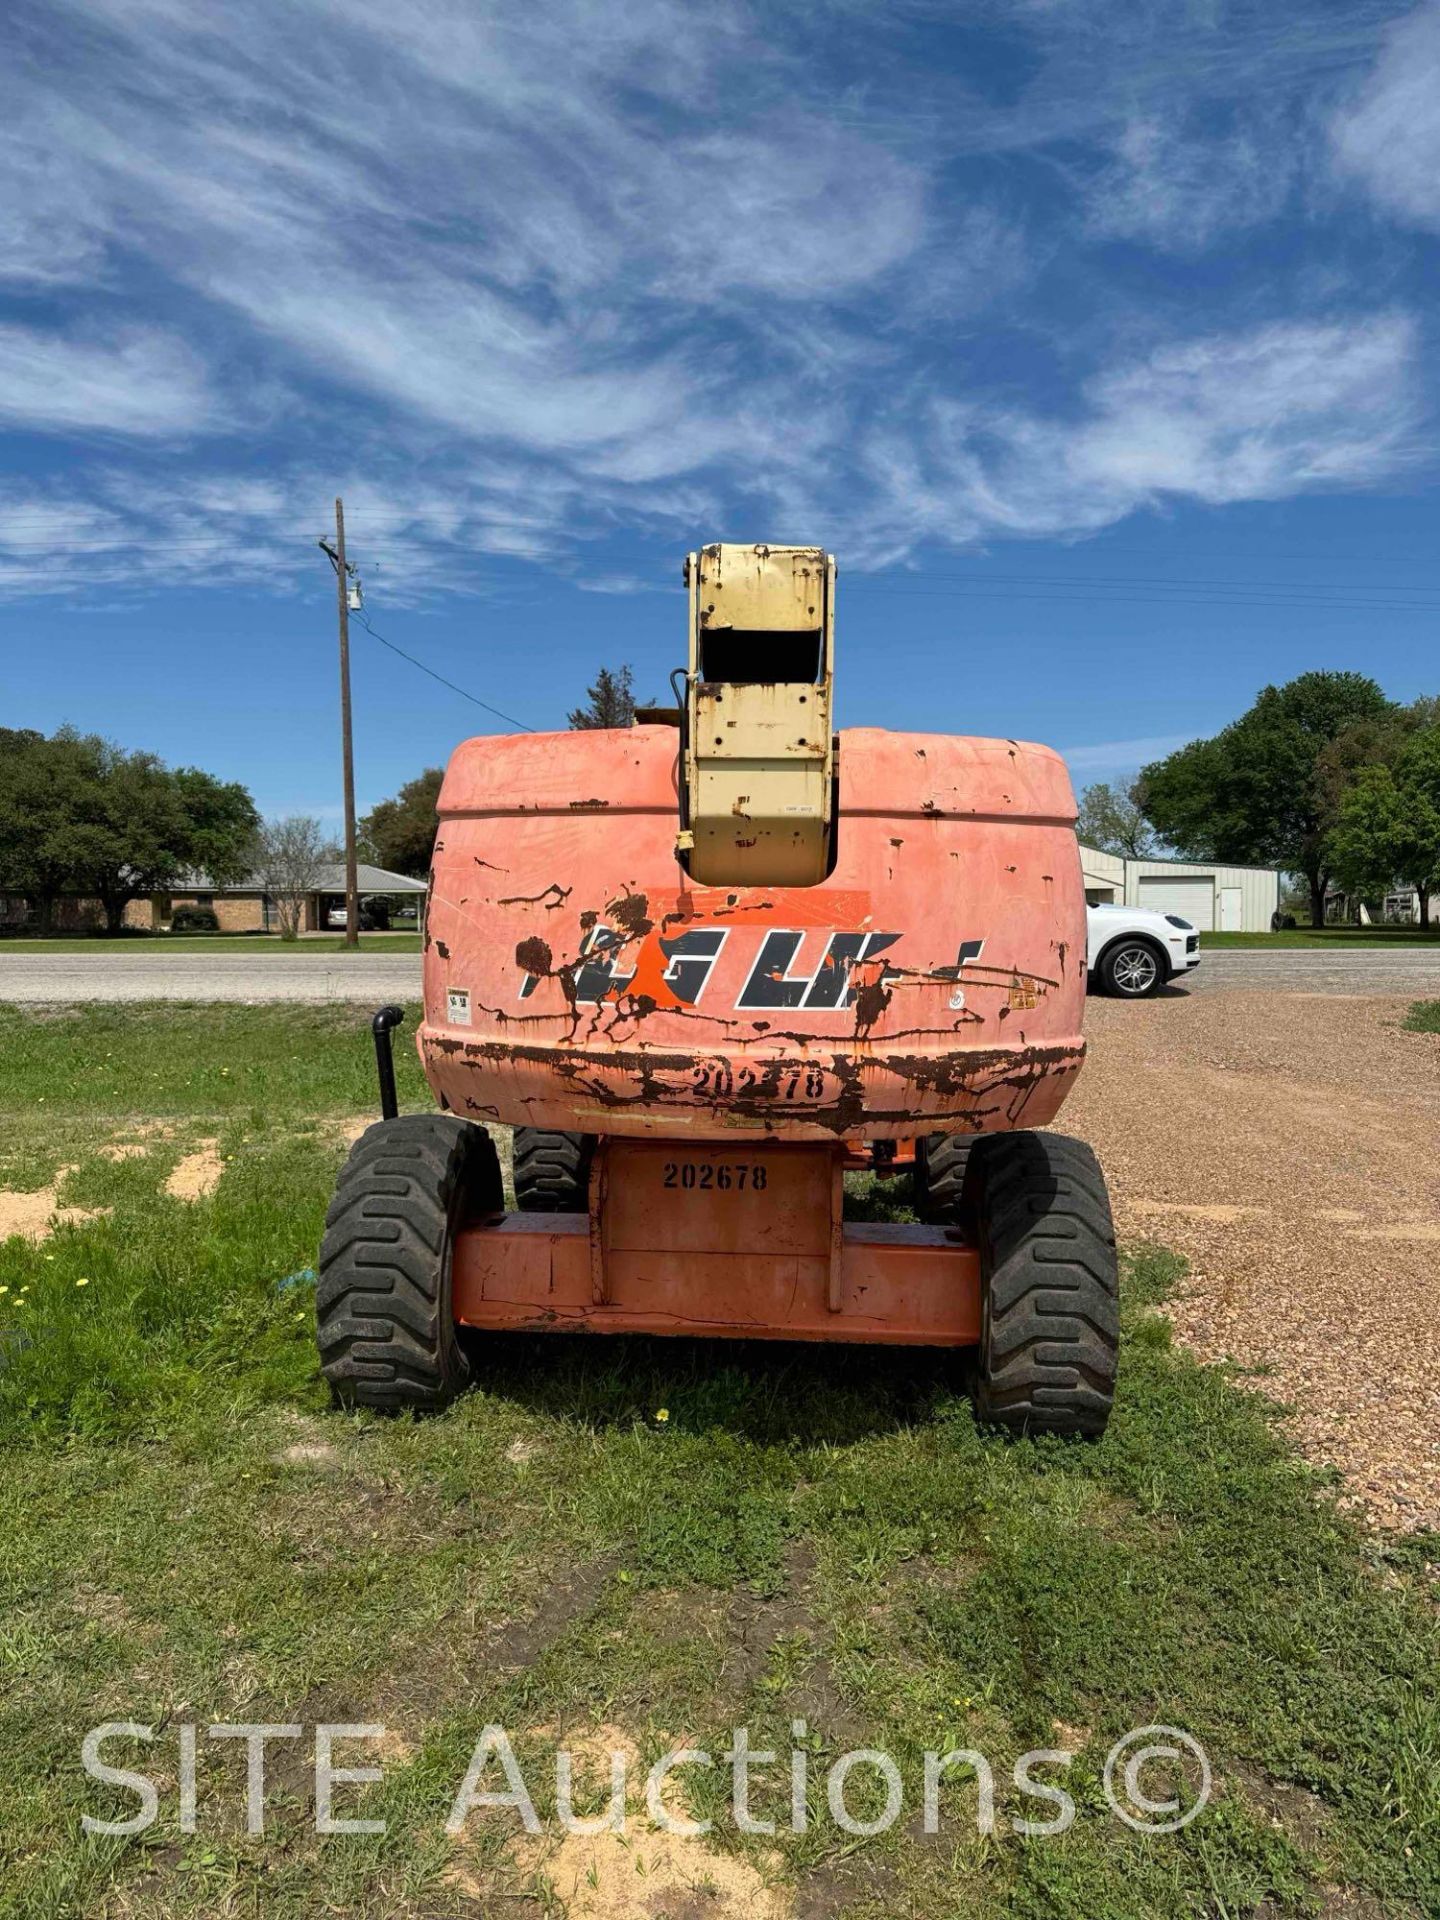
point(718, 1080)
point(709, 1176)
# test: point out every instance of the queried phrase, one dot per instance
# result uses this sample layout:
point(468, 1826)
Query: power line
point(509, 720)
point(103, 541)
point(1172, 580)
point(1112, 598)
point(1404, 598)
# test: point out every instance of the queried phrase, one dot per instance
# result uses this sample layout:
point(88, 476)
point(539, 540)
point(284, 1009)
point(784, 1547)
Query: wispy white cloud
point(1258, 415)
point(551, 274)
point(1388, 136)
point(1121, 756)
point(49, 236)
point(1254, 416)
point(1178, 183)
point(141, 380)
point(622, 583)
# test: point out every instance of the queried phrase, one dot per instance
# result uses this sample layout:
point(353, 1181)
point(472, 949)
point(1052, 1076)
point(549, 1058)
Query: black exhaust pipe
point(384, 1023)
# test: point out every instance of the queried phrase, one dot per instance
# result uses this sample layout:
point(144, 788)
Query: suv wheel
point(1132, 969)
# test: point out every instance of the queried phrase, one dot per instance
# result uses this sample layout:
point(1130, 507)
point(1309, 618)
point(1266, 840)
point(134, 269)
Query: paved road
point(376, 977)
point(80, 977)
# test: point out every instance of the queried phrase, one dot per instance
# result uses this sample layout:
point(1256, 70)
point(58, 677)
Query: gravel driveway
point(1287, 1146)
point(1412, 970)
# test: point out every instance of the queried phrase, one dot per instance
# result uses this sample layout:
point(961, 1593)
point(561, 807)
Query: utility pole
point(342, 591)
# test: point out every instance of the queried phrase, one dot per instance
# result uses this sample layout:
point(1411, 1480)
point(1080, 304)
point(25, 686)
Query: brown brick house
point(247, 908)
point(244, 908)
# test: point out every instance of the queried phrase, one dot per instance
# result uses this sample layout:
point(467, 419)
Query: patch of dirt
point(568, 1596)
point(1286, 1145)
point(642, 1873)
point(1344, 1903)
point(198, 1174)
point(124, 1150)
point(1301, 1815)
point(758, 1621)
point(109, 1610)
point(317, 1453)
point(34, 1216)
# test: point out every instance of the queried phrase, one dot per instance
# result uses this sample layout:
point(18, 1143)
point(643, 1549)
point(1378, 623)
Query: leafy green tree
point(44, 786)
point(79, 815)
point(1112, 821)
point(611, 701)
point(1388, 827)
point(1255, 793)
point(145, 827)
point(401, 832)
point(1369, 743)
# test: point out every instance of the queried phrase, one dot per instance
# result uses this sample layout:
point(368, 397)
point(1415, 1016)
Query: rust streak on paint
point(554, 896)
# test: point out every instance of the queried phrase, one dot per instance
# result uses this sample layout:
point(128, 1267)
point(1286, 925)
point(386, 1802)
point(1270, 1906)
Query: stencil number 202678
point(719, 1080)
point(709, 1176)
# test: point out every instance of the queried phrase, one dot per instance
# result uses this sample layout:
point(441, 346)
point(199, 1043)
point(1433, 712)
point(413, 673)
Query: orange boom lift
point(700, 964)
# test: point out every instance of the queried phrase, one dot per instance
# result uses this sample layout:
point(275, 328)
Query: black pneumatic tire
point(1133, 968)
point(552, 1171)
point(940, 1163)
point(385, 1327)
point(1050, 1318)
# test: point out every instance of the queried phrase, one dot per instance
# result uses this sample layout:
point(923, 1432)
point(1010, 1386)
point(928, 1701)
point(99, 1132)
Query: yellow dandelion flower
point(662, 1414)
point(83, 1281)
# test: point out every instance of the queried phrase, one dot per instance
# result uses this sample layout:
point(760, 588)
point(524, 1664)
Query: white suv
point(1132, 952)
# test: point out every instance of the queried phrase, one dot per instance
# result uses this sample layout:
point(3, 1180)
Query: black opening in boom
point(760, 656)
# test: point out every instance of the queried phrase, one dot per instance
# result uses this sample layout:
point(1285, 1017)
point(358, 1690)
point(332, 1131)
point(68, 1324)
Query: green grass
point(1325, 937)
point(1423, 1017)
point(132, 942)
point(188, 1532)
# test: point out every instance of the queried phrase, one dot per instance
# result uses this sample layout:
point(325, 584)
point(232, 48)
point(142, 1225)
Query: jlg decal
point(771, 984)
point(675, 970)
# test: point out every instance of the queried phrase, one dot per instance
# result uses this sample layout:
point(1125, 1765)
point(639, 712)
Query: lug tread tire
point(385, 1328)
point(940, 1163)
point(552, 1171)
point(1051, 1317)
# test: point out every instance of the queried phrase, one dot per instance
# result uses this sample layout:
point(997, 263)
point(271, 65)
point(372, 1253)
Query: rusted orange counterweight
point(727, 1043)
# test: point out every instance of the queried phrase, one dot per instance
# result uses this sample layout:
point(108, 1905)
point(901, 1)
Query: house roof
point(369, 880)
point(331, 880)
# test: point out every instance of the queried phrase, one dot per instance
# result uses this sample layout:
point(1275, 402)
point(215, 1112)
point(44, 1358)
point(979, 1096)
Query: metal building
point(1213, 897)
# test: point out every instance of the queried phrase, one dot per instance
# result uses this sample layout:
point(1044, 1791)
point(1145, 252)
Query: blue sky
point(1097, 339)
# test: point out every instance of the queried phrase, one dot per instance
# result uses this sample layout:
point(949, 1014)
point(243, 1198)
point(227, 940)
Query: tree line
point(81, 816)
point(1324, 777)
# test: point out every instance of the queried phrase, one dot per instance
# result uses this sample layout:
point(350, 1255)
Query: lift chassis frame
point(738, 1238)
